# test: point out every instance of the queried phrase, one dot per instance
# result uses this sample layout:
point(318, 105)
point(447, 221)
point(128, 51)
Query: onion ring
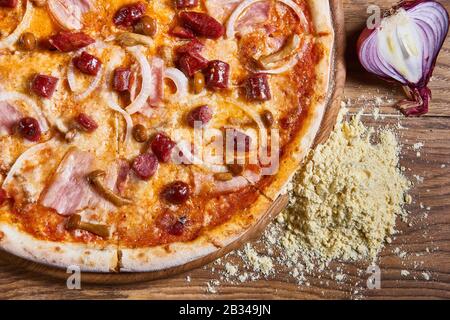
point(180, 81)
point(11, 39)
point(147, 80)
point(23, 157)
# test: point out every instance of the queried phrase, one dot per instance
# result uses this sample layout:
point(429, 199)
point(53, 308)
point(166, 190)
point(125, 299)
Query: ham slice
point(9, 116)
point(157, 92)
point(68, 13)
point(255, 15)
point(221, 9)
point(69, 191)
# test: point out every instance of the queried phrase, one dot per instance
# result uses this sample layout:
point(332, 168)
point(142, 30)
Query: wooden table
point(426, 242)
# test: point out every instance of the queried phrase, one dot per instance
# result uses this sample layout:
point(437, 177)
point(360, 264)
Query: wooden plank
point(364, 87)
point(432, 233)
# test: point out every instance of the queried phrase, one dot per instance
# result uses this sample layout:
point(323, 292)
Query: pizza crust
point(62, 255)
point(209, 243)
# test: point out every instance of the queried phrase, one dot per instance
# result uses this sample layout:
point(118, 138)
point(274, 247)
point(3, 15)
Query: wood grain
point(432, 233)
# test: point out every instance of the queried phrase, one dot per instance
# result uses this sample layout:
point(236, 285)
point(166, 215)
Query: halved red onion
point(404, 48)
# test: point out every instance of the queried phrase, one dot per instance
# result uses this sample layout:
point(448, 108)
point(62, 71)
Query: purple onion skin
point(419, 93)
point(409, 4)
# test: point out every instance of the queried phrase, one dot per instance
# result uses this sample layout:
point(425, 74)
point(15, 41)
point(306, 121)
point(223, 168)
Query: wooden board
point(432, 233)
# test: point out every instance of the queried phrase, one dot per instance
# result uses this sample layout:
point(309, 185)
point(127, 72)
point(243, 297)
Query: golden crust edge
point(57, 254)
point(209, 242)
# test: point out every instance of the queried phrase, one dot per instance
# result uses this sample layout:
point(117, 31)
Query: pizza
point(144, 135)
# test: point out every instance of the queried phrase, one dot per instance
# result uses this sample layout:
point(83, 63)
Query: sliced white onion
point(111, 97)
point(289, 65)
point(21, 159)
point(10, 40)
point(147, 79)
point(234, 17)
point(14, 96)
point(74, 86)
point(71, 78)
point(257, 119)
point(184, 147)
point(67, 13)
point(111, 100)
point(180, 81)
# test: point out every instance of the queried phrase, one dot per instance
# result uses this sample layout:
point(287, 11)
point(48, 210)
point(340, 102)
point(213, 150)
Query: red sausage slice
point(44, 85)
point(87, 63)
point(70, 41)
point(202, 24)
point(8, 3)
point(145, 165)
point(86, 123)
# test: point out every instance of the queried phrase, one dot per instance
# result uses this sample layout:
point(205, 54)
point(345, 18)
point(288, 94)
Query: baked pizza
point(143, 135)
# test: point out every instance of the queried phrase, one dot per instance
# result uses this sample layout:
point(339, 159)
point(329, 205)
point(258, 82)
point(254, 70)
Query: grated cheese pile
point(347, 197)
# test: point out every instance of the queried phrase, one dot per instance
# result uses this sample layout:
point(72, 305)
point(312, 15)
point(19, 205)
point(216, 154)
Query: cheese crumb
point(426, 276)
point(231, 270)
point(417, 146)
point(259, 263)
point(343, 206)
point(404, 273)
